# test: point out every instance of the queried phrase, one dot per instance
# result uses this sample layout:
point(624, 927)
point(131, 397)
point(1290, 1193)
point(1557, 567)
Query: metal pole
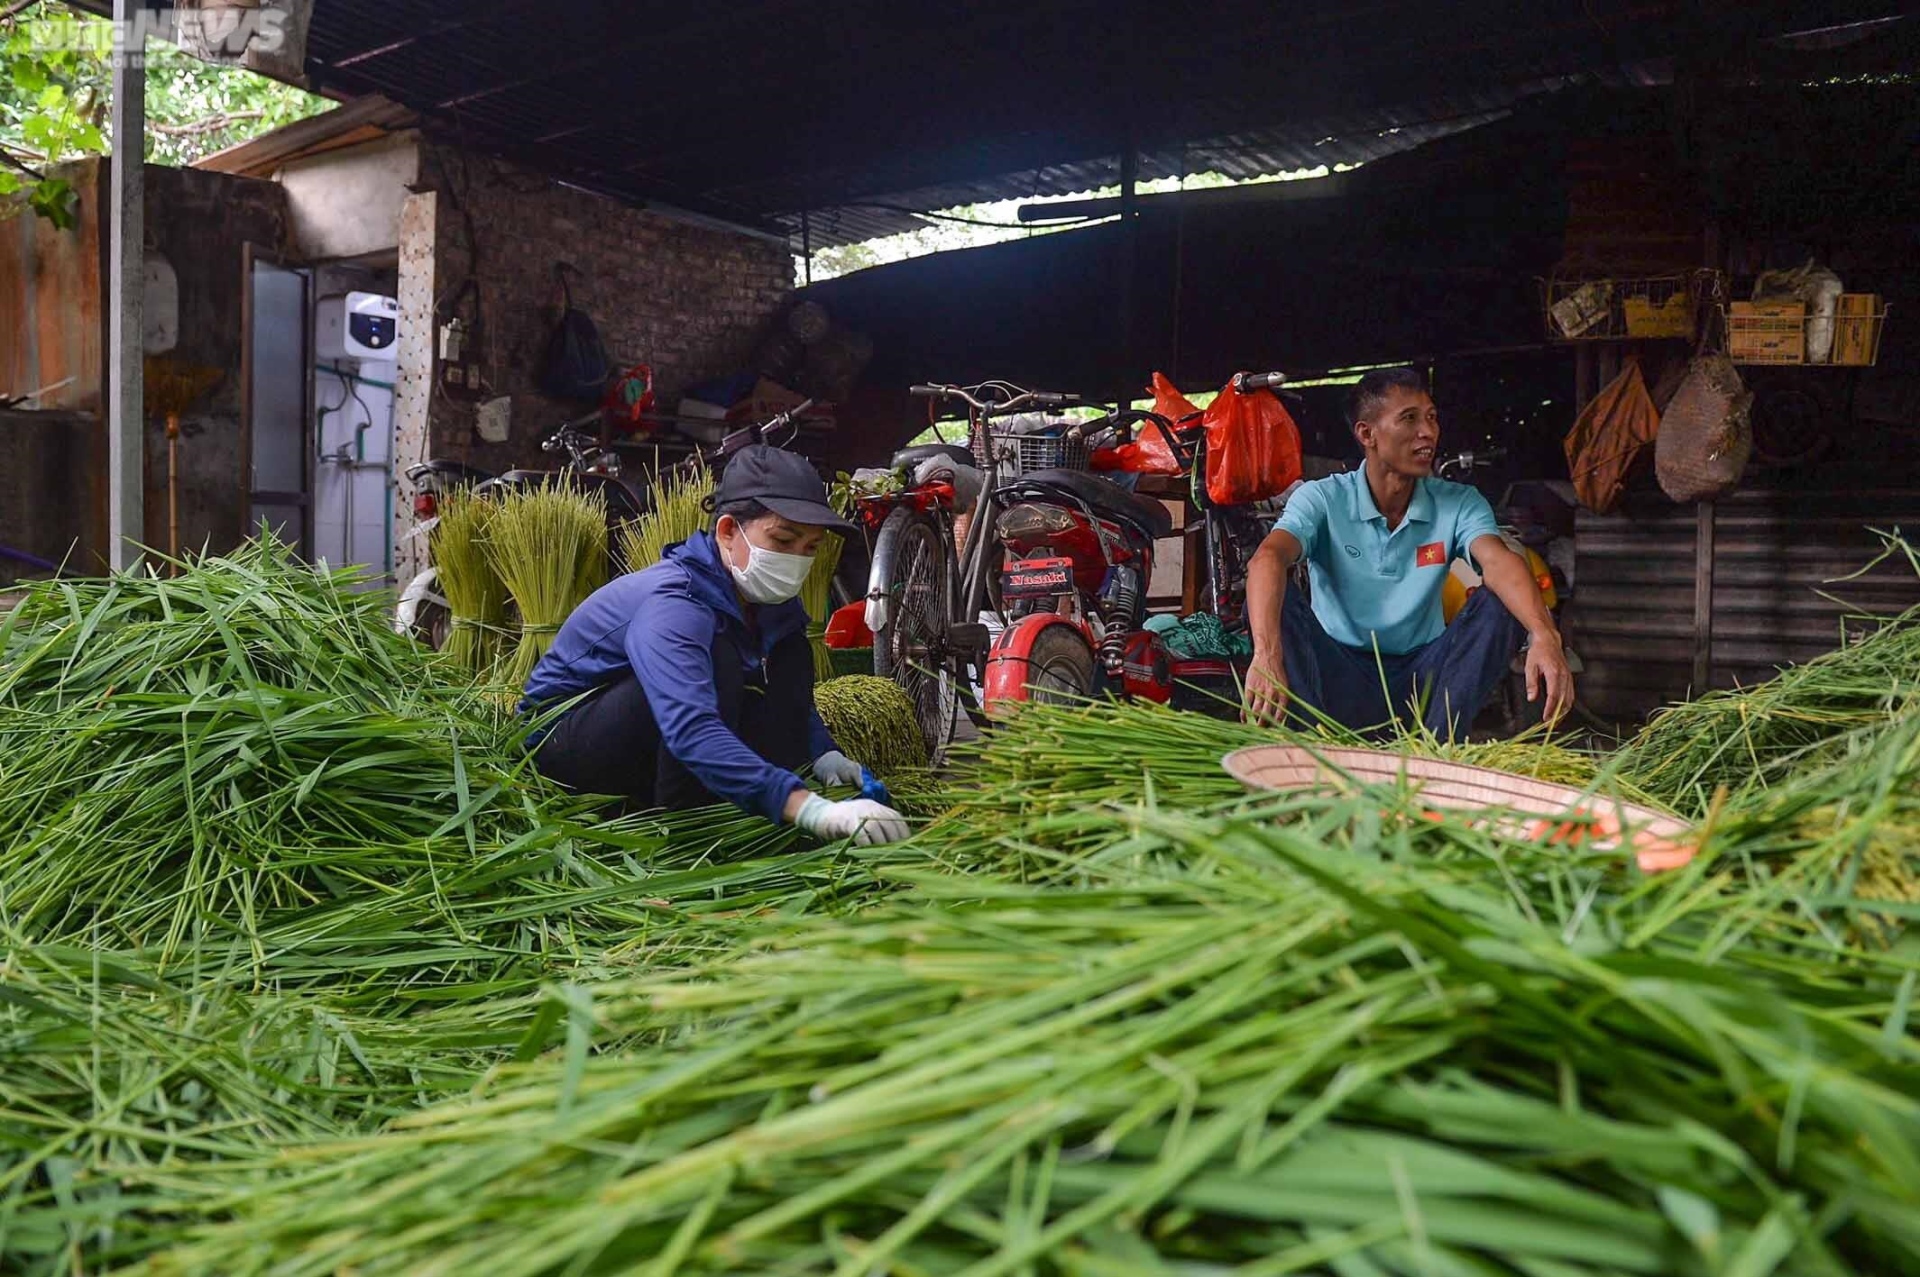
point(806, 243)
point(126, 299)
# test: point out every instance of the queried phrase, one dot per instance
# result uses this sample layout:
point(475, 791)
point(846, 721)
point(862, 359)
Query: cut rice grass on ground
point(245, 769)
point(1758, 736)
point(1230, 1042)
point(1112, 1015)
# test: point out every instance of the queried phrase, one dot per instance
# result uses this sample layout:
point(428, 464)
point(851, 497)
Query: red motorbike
point(1079, 555)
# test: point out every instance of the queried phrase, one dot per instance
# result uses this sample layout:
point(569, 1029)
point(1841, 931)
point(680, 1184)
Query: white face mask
point(770, 576)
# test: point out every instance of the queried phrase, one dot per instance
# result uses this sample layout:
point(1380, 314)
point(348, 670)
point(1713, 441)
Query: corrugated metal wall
point(1631, 618)
point(52, 325)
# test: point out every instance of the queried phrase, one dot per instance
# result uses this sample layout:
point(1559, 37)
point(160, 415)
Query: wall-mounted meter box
point(357, 326)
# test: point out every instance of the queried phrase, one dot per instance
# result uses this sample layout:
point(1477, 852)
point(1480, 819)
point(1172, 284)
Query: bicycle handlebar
point(569, 431)
point(1248, 382)
point(1023, 399)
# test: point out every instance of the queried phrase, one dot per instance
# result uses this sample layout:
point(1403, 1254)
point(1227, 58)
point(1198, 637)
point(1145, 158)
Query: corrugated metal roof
point(1252, 153)
point(751, 111)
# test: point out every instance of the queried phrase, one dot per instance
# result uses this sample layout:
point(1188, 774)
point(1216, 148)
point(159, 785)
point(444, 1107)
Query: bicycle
point(926, 589)
point(1230, 533)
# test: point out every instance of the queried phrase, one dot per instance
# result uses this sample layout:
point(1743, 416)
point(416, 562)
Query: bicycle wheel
point(914, 569)
point(1059, 668)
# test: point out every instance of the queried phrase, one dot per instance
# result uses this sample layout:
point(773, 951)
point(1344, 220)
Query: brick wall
point(690, 301)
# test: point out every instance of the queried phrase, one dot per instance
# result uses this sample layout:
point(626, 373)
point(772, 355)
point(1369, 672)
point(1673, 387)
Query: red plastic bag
point(1253, 447)
point(1149, 453)
point(629, 399)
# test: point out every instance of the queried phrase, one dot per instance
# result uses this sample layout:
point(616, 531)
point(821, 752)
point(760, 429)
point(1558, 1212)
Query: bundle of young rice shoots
point(677, 511)
point(549, 544)
point(817, 596)
point(872, 721)
point(1229, 1044)
point(475, 594)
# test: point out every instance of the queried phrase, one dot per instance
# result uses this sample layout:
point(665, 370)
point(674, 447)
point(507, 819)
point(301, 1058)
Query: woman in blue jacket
point(695, 676)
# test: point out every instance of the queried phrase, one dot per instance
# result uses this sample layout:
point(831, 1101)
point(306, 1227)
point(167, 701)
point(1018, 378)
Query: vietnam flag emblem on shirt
point(1431, 555)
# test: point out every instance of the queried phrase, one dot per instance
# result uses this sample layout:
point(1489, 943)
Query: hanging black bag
point(576, 365)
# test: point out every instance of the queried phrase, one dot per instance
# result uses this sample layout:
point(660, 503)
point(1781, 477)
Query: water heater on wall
point(357, 326)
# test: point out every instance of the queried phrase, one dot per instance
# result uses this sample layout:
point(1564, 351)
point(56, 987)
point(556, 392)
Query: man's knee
point(1485, 612)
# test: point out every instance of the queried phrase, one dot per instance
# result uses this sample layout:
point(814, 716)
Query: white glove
point(868, 823)
point(966, 480)
point(835, 768)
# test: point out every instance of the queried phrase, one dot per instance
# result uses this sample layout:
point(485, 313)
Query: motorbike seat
point(1107, 498)
point(909, 459)
point(453, 471)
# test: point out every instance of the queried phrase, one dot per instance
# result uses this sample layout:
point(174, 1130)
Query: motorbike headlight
point(1029, 522)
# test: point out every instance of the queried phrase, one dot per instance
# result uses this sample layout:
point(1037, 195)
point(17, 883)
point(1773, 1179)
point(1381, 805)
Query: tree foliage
point(55, 78)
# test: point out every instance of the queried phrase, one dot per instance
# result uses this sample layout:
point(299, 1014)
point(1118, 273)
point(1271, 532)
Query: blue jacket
point(660, 623)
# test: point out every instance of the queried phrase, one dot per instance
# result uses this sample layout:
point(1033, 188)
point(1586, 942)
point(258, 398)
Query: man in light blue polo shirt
point(1378, 544)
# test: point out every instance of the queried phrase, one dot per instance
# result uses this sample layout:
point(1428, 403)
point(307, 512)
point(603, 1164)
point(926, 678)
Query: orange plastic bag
point(1253, 447)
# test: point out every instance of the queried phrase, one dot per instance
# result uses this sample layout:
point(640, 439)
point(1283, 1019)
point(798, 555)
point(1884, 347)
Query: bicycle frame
point(972, 556)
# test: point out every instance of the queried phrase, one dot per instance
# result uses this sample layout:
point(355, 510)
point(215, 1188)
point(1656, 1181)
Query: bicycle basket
point(1026, 444)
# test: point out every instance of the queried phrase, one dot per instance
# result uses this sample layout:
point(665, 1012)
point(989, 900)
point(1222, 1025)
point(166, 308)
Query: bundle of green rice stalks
point(475, 594)
point(817, 596)
point(549, 545)
point(677, 510)
point(873, 722)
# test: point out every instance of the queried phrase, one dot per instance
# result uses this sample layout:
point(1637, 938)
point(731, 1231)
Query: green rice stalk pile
point(247, 760)
point(1107, 1014)
point(1065, 756)
point(1226, 1042)
point(475, 594)
point(677, 510)
point(549, 545)
point(1806, 715)
point(872, 721)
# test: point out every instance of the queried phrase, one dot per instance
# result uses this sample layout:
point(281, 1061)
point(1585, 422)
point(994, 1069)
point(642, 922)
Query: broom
point(549, 546)
point(172, 389)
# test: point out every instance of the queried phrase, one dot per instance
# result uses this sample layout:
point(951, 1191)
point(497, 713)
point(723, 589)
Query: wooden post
point(126, 298)
point(1703, 598)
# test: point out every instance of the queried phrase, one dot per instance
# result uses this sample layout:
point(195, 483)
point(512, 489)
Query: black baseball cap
point(784, 482)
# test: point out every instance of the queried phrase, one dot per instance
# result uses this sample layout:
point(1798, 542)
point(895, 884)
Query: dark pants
point(1443, 684)
point(610, 744)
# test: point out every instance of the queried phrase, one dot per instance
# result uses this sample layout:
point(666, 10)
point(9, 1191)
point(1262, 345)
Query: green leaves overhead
point(55, 89)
